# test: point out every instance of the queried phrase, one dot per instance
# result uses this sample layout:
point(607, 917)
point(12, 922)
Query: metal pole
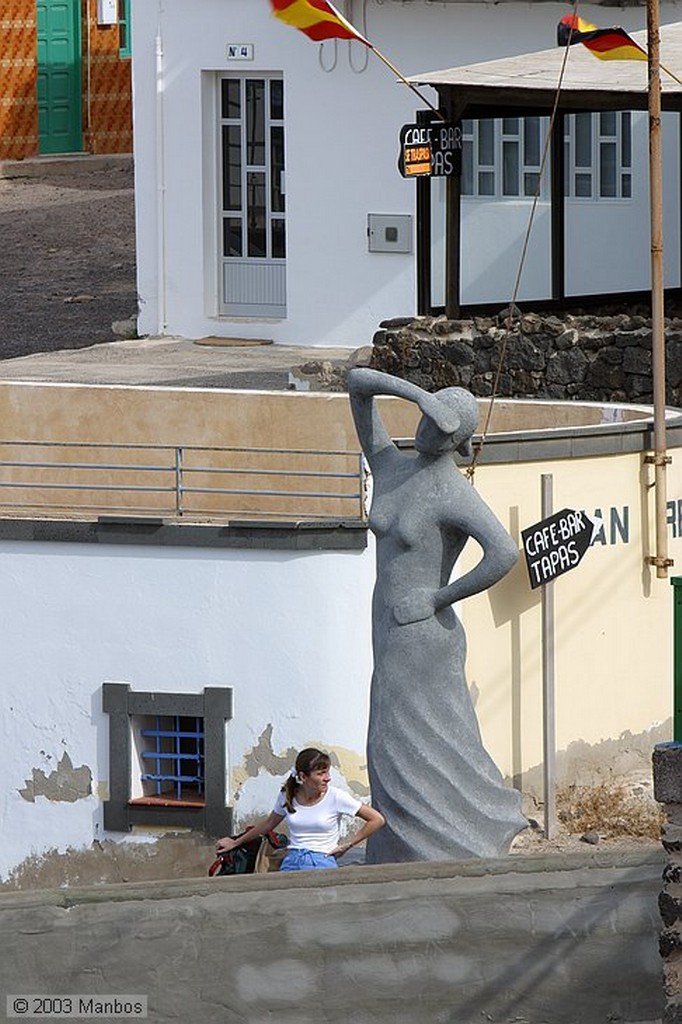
point(423, 204)
point(179, 488)
point(548, 702)
point(660, 458)
point(160, 182)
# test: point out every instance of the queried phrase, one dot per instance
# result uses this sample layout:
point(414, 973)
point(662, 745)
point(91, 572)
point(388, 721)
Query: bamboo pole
point(660, 458)
point(548, 678)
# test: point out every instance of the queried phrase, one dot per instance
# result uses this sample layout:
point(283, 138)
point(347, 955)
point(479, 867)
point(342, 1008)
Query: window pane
point(278, 240)
point(531, 142)
point(232, 167)
point(583, 140)
point(607, 122)
point(467, 185)
point(232, 237)
point(486, 183)
point(255, 122)
point(277, 169)
point(467, 127)
point(607, 169)
point(277, 100)
point(510, 125)
point(583, 186)
point(230, 98)
point(626, 139)
point(510, 168)
point(486, 143)
point(626, 186)
point(255, 184)
point(531, 181)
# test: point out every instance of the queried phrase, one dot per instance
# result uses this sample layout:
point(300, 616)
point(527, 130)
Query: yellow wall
point(613, 617)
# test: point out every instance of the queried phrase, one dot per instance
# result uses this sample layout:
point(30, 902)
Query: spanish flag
point(318, 19)
point(604, 43)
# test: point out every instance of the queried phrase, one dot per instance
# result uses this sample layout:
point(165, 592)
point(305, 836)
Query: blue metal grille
point(177, 760)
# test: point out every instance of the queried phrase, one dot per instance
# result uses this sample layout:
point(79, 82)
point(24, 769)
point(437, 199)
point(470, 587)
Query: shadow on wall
point(626, 760)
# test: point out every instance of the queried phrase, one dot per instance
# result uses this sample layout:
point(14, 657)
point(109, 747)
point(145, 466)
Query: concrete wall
point(554, 939)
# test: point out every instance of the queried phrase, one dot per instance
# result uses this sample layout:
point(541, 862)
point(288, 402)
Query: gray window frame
point(214, 706)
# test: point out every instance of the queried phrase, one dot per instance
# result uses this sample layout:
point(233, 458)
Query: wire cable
point(510, 322)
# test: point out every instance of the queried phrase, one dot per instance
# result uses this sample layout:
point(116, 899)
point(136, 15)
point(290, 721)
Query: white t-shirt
point(316, 827)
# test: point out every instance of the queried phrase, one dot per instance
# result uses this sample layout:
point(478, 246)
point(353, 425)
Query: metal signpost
point(552, 547)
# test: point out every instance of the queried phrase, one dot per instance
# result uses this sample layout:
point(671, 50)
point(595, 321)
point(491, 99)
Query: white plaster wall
point(342, 142)
point(289, 632)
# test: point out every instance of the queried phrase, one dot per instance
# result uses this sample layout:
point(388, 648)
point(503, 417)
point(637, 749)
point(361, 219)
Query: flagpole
point(410, 85)
point(660, 459)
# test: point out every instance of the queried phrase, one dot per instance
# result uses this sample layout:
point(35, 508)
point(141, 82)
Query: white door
point(253, 228)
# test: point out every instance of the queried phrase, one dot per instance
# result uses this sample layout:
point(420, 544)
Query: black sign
point(556, 545)
point(433, 149)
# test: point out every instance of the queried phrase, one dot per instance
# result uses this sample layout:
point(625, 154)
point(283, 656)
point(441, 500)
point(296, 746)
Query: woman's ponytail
point(289, 790)
point(306, 762)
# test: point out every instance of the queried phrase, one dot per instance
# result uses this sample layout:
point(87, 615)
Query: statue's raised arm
point(365, 384)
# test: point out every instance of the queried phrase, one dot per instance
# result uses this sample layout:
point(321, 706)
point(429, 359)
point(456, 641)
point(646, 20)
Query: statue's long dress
point(441, 793)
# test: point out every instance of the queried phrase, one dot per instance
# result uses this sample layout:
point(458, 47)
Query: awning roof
point(530, 80)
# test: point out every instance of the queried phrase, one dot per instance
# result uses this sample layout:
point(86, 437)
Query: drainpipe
point(660, 458)
point(162, 325)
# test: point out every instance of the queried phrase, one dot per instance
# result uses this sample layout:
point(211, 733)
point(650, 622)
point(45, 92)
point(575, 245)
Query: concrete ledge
point(578, 442)
point(532, 867)
point(329, 535)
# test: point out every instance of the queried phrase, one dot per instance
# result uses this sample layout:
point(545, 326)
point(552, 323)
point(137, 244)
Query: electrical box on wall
point(107, 12)
point(389, 232)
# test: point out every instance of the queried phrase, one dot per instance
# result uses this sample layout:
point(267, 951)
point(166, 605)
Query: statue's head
point(462, 409)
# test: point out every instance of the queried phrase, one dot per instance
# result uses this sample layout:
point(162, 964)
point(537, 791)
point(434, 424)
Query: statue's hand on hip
point(415, 606)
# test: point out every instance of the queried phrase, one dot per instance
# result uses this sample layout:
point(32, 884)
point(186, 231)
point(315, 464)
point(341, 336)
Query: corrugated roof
point(531, 79)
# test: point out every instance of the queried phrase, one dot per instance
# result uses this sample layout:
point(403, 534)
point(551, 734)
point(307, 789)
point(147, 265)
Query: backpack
point(242, 860)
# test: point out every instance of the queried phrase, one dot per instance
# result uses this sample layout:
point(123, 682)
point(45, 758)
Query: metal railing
point(49, 477)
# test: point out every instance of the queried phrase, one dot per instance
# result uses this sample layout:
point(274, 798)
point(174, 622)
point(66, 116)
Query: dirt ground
point(67, 257)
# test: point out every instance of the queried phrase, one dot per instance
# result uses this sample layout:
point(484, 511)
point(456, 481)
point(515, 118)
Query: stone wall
point(593, 358)
point(667, 764)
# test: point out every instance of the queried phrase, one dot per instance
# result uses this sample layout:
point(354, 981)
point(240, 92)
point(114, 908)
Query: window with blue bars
point(167, 759)
point(171, 752)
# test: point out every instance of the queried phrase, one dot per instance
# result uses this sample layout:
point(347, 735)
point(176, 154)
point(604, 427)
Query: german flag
point(318, 19)
point(604, 43)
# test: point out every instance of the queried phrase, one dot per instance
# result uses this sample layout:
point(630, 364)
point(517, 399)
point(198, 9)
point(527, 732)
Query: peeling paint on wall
point(107, 862)
point(66, 783)
point(262, 757)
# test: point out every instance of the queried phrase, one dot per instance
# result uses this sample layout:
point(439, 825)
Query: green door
point(59, 76)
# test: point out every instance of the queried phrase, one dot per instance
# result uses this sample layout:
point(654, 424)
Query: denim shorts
point(307, 860)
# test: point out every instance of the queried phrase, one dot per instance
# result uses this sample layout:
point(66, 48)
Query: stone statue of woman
point(441, 794)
